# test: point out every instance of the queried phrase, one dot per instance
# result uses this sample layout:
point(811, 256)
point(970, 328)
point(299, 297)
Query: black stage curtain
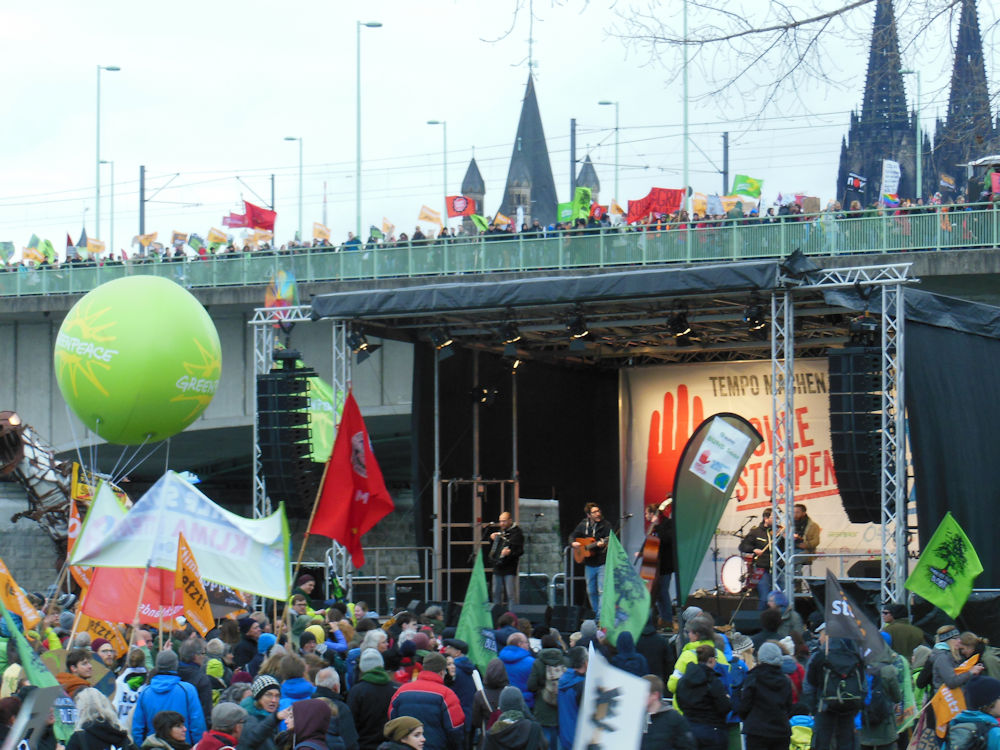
point(953, 405)
point(568, 442)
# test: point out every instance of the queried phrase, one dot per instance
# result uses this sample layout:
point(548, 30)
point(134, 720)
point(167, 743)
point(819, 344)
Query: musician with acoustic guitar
point(506, 548)
point(589, 541)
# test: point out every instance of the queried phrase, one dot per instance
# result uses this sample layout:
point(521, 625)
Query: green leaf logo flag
point(946, 568)
point(625, 601)
point(475, 625)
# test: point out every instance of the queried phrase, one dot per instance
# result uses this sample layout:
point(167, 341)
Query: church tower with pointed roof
point(884, 129)
point(473, 186)
point(969, 130)
point(588, 178)
point(529, 177)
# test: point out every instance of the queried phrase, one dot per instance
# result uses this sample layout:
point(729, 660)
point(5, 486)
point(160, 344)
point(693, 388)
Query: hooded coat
point(766, 702)
point(99, 735)
point(515, 729)
point(311, 717)
point(518, 662)
point(570, 694)
point(464, 686)
point(702, 696)
point(488, 701)
point(369, 703)
point(628, 658)
point(656, 648)
point(548, 716)
point(166, 692)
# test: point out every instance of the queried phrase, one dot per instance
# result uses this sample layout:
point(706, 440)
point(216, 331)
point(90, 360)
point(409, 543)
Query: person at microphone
point(595, 527)
point(758, 542)
point(660, 523)
point(506, 548)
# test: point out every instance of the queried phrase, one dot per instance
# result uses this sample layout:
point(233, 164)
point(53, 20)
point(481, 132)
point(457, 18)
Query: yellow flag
point(616, 209)
point(178, 239)
point(320, 232)
point(429, 214)
point(949, 703)
point(101, 629)
point(500, 220)
point(15, 600)
point(31, 253)
point(144, 239)
point(95, 247)
point(216, 236)
point(196, 607)
point(388, 228)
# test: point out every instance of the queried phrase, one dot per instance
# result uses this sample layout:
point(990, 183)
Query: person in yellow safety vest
point(700, 632)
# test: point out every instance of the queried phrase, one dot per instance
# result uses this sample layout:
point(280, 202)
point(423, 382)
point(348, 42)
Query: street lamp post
point(920, 145)
point(357, 171)
point(444, 125)
point(97, 191)
point(111, 241)
point(299, 139)
point(606, 103)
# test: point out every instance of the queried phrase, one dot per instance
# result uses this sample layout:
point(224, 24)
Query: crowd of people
point(944, 215)
point(345, 678)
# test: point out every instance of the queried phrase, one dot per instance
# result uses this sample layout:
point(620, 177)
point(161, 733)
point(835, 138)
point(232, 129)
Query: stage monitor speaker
point(746, 622)
point(566, 618)
point(865, 569)
point(855, 394)
point(284, 437)
point(537, 614)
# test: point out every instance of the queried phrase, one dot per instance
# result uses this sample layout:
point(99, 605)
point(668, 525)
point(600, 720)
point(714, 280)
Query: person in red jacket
point(227, 726)
point(436, 706)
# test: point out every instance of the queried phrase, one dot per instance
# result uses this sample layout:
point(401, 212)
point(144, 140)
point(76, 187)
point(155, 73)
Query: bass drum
point(733, 574)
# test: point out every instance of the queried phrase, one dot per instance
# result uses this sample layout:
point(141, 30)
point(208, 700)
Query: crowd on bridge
point(341, 677)
point(957, 227)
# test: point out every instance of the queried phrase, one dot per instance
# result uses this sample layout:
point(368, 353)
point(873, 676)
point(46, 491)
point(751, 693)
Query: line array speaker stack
point(284, 436)
point(855, 391)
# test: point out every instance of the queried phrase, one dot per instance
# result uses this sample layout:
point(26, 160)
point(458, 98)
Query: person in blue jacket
point(570, 695)
point(166, 692)
point(518, 659)
point(982, 696)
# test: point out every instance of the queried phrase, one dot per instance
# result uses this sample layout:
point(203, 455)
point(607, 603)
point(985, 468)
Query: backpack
point(842, 689)
point(967, 735)
point(878, 708)
point(801, 738)
point(550, 693)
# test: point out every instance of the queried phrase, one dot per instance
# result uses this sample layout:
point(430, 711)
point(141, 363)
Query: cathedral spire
point(884, 105)
point(529, 178)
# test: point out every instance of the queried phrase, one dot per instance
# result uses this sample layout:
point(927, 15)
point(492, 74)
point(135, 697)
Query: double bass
point(649, 569)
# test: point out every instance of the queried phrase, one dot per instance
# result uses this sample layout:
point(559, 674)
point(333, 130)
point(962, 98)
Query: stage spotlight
point(865, 330)
point(440, 338)
point(678, 324)
point(485, 396)
point(357, 341)
point(577, 327)
point(511, 333)
point(516, 364)
point(754, 316)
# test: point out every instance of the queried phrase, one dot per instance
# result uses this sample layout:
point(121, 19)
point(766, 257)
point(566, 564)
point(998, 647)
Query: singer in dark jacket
point(758, 543)
point(506, 548)
point(595, 527)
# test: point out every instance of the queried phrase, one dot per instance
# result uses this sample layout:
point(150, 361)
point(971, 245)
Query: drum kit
point(740, 575)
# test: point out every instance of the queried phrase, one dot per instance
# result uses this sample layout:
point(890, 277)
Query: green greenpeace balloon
point(138, 359)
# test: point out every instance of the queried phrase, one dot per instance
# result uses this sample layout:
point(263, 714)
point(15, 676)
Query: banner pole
point(63, 572)
point(312, 515)
point(138, 606)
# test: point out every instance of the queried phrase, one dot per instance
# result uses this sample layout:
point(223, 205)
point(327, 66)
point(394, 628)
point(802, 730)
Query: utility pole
point(725, 163)
point(142, 199)
point(572, 157)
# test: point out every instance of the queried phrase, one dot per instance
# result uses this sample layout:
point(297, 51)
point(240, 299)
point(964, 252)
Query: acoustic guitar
point(588, 548)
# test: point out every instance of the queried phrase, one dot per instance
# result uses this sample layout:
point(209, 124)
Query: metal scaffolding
point(890, 281)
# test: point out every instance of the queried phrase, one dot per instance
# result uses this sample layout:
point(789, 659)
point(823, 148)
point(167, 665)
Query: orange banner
point(101, 629)
point(15, 600)
point(950, 703)
point(186, 579)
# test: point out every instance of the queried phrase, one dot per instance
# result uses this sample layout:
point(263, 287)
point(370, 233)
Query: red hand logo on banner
point(667, 438)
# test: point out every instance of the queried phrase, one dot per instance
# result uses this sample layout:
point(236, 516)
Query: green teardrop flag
point(947, 568)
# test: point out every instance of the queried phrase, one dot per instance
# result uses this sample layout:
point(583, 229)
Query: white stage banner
point(663, 405)
point(613, 707)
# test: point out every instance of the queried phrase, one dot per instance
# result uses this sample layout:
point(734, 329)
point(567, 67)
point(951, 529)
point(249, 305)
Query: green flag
point(946, 568)
point(743, 185)
point(375, 232)
point(324, 410)
point(625, 601)
point(36, 671)
point(475, 624)
point(47, 250)
point(481, 224)
point(195, 242)
point(33, 242)
point(581, 203)
point(6, 250)
point(564, 212)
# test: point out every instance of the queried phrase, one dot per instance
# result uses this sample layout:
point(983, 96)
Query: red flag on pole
point(353, 497)
point(259, 218)
point(234, 220)
point(460, 205)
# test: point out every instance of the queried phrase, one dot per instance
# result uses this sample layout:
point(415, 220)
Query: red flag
point(234, 220)
point(598, 211)
point(259, 218)
point(460, 205)
point(353, 497)
point(659, 201)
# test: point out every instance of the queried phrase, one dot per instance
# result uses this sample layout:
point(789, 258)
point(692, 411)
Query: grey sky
point(210, 89)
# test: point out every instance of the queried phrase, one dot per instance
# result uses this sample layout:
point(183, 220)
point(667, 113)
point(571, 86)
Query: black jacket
point(656, 648)
point(341, 723)
point(513, 538)
point(515, 731)
point(766, 702)
point(757, 538)
point(668, 730)
point(244, 652)
point(702, 696)
point(194, 675)
point(600, 530)
point(369, 701)
point(98, 735)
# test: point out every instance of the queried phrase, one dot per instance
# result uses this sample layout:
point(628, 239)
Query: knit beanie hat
point(166, 661)
point(95, 645)
point(588, 628)
point(370, 659)
point(398, 728)
point(980, 692)
point(317, 631)
point(769, 653)
point(511, 699)
point(245, 624)
point(262, 684)
point(265, 642)
point(214, 668)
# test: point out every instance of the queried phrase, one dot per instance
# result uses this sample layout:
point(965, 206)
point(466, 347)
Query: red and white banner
point(661, 407)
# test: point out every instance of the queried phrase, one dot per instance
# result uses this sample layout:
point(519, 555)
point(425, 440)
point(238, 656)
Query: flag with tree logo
point(947, 568)
point(625, 601)
point(475, 625)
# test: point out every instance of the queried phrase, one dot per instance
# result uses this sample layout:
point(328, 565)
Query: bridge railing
point(819, 234)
